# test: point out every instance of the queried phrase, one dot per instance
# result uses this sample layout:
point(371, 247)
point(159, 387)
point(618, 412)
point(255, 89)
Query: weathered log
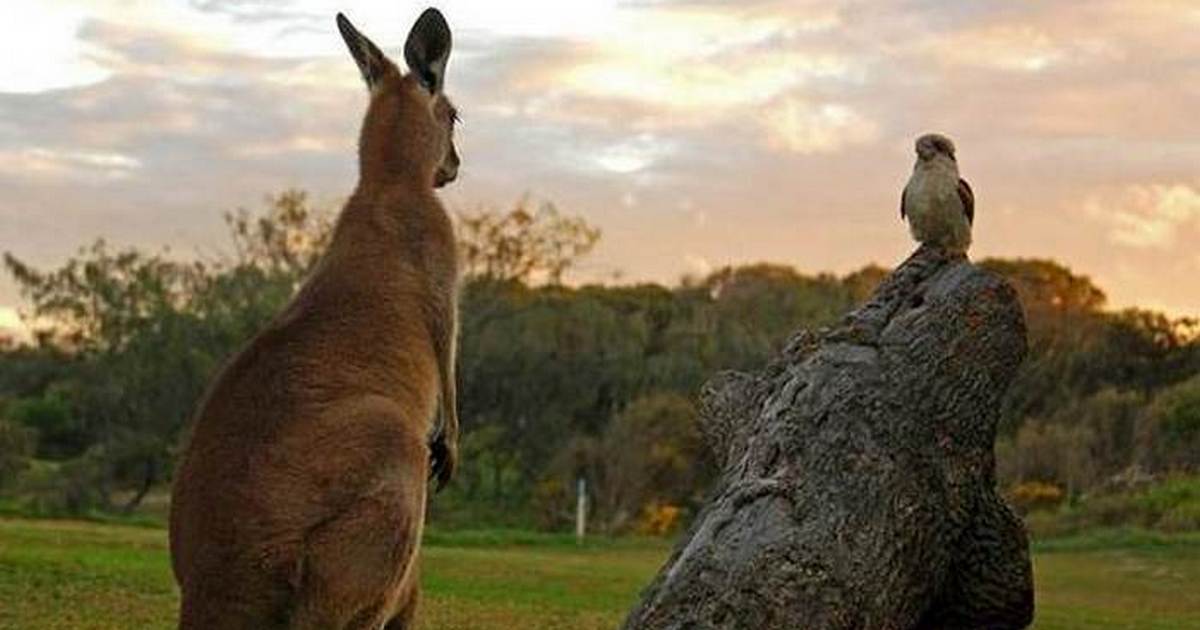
point(858, 485)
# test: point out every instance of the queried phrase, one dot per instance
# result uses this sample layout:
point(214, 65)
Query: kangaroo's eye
point(454, 118)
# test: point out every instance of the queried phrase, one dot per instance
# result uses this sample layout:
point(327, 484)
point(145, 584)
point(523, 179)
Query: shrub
point(653, 456)
point(1172, 505)
point(16, 447)
point(650, 454)
point(658, 519)
point(1181, 518)
point(1054, 452)
point(551, 504)
point(65, 488)
point(1174, 430)
point(1035, 495)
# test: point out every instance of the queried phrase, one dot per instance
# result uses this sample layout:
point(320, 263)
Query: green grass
point(59, 574)
point(88, 575)
point(1122, 538)
point(1126, 588)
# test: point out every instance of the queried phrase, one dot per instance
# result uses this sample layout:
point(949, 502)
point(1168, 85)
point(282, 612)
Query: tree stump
point(858, 486)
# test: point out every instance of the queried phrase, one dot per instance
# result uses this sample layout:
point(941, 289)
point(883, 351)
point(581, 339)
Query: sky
point(695, 134)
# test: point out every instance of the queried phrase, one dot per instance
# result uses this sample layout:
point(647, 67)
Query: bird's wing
point(967, 197)
point(903, 194)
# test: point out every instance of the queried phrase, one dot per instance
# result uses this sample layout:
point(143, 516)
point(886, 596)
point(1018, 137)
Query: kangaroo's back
point(300, 498)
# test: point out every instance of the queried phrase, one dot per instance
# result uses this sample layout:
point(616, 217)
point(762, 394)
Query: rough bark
point(858, 482)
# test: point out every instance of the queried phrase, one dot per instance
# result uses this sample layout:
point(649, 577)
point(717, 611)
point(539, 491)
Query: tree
point(1145, 350)
point(99, 299)
point(503, 255)
point(286, 239)
point(857, 487)
point(525, 244)
point(51, 418)
point(758, 305)
point(1062, 311)
point(1079, 349)
point(550, 372)
point(144, 332)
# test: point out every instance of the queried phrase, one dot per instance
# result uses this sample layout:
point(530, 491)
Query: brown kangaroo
point(300, 500)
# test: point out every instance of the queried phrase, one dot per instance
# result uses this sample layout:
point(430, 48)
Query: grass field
point(92, 576)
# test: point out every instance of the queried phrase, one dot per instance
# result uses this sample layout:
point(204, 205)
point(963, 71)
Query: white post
point(580, 510)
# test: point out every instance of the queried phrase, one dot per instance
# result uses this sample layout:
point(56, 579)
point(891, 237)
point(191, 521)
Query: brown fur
point(300, 500)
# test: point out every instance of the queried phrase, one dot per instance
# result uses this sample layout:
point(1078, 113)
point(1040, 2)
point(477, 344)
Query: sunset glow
point(695, 134)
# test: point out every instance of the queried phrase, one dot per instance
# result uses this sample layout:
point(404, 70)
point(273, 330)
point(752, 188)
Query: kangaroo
point(300, 499)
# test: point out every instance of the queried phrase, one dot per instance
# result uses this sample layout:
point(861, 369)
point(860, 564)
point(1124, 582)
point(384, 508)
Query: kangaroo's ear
point(428, 48)
point(371, 61)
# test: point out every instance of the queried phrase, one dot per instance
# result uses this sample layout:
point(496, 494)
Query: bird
point(938, 203)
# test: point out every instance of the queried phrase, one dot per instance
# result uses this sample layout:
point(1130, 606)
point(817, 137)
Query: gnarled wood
point(858, 487)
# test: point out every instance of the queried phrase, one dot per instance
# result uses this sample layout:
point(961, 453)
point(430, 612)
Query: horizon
point(695, 134)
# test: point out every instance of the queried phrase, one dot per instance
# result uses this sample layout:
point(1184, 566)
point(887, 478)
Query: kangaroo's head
point(409, 127)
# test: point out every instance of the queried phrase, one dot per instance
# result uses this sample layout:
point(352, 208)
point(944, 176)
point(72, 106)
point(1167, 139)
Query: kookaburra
point(938, 204)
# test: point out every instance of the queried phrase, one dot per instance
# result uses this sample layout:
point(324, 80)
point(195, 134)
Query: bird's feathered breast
point(930, 177)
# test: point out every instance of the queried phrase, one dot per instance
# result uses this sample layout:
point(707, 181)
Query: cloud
point(176, 108)
point(698, 265)
point(289, 146)
point(68, 164)
point(770, 116)
point(800, 127)
point(687, 73)
point(1150, 216)
point(254, 11)
point(632, 155)
point(1020, 47)
point(701, 61)
point(43, 52)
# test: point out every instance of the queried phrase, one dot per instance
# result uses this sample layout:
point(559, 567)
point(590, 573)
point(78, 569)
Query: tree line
point(557, 382)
